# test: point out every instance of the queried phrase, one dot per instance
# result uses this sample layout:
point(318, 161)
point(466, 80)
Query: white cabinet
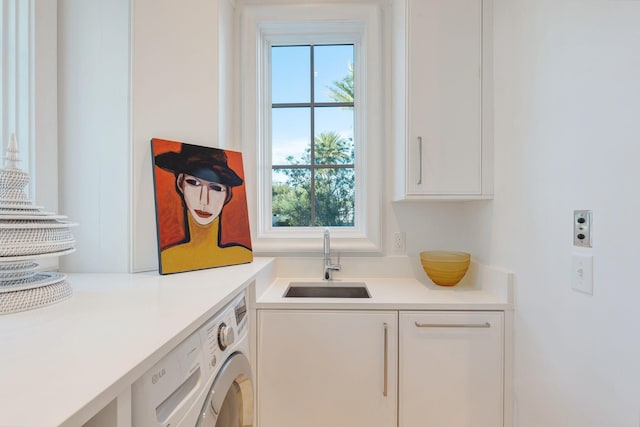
point(319, 368)
point(442, 99)
point(451, 369)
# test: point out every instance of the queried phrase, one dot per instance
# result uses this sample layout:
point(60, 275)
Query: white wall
point(568, 137)
point(175, 97)
point(45, 112)
point(457, 226)
point(93, 113)
point(131, 70)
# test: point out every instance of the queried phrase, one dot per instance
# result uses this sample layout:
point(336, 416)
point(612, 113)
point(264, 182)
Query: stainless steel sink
point(327, 290)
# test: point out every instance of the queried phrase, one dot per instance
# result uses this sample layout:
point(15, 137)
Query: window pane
point(290, 75)
point(291, 199)
point(333, 73)
point(333, 141)
point(290, 141)
point(334, 197)
point(315, 195)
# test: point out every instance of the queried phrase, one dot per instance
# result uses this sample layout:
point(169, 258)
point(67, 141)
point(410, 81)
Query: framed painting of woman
point(201, 207)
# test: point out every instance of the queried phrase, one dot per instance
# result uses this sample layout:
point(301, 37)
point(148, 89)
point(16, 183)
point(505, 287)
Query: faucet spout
point(327, 244)
point(329, 267)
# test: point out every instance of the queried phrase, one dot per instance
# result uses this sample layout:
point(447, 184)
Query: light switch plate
point(582, 273)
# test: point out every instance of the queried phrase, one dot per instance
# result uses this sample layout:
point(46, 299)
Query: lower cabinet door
point(327, 368)
point(451, 369)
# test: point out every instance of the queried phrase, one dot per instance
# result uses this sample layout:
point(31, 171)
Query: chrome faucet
point(328, 266)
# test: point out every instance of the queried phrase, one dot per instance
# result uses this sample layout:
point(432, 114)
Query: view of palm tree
point(342, 90)
point(316, 188)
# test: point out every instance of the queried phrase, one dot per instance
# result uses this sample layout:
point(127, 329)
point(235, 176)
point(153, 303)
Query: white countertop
point(60, 364)
point(485, 288)
point(387, 294)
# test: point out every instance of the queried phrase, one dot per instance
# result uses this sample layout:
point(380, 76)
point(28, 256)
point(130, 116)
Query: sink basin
point(327, 290)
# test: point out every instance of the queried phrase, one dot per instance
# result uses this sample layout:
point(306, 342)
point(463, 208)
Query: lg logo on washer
point(157, 376)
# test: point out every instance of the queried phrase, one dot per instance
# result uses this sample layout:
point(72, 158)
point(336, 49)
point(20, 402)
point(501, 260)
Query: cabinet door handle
point(419, 160)
point(453, 325)
point(386, 360)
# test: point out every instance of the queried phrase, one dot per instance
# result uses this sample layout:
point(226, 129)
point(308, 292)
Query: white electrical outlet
point(399, 241)
point(582, 273)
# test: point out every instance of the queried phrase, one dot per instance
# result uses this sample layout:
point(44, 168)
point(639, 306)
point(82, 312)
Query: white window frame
point(266, 26)
point(28, 92)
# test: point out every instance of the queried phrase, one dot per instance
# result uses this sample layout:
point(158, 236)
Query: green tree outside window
point(332, 177)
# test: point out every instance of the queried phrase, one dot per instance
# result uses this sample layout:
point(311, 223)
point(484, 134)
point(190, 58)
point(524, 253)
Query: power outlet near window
point(399, 241)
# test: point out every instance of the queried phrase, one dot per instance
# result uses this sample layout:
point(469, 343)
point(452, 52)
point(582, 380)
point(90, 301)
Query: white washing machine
point(205, 381)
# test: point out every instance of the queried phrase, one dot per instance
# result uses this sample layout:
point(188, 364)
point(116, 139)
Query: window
point(312, 145)
point(15, 22)
point(28, 91)
point(315, 148)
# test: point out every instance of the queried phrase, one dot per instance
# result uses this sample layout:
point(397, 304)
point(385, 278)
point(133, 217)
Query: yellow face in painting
point(204, 199)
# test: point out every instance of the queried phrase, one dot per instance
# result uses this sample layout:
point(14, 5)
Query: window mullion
point(315, 104)
point(312, 154)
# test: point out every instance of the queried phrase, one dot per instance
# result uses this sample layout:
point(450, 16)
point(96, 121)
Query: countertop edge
point(333, 305)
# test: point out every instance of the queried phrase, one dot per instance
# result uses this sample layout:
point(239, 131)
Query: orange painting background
point(170, 212)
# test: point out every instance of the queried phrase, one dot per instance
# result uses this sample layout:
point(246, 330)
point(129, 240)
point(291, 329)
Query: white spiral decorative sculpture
point(27, 234)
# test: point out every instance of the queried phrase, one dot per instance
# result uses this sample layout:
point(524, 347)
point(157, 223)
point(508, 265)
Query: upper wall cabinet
point(442, 103)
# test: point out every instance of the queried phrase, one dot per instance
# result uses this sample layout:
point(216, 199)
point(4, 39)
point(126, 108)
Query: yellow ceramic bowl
point(445, 268)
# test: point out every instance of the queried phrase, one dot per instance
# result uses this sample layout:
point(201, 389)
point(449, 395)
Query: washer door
point(230, 400)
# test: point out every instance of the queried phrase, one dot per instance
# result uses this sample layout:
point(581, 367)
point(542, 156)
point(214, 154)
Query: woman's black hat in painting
point(203, 162)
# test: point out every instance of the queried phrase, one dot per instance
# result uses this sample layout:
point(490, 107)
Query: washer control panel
point(220, 333)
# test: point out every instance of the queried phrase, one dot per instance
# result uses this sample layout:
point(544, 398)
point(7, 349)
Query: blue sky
point(291, 83)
